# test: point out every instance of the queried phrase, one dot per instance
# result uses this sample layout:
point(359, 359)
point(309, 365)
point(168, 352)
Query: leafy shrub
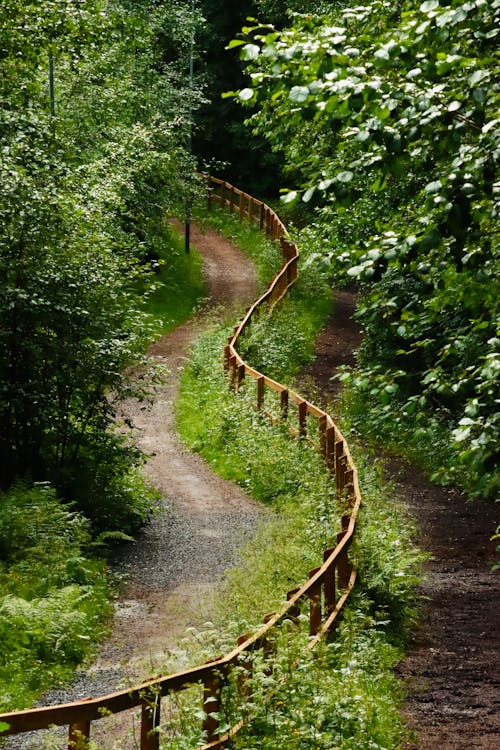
point(53, 595)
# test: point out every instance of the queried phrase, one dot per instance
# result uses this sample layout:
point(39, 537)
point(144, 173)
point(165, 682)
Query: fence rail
point(328, 585)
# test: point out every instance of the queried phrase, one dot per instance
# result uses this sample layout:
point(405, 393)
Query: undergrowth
point(54, 593)
point(178, 285)
point(343, 694)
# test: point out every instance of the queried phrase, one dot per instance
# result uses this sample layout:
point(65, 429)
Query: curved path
point(170, 572)
point(452, 670)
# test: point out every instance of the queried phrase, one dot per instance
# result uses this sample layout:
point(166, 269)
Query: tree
point(86, 180)
point(395, 109)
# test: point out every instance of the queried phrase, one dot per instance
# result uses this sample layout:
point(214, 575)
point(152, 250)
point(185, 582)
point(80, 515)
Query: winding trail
point(452, 669)
point(170, 573)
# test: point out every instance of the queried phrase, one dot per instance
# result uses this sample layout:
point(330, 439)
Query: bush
point(54, 596)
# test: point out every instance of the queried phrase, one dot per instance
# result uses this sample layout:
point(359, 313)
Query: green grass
point(345, 694)
point(178, 286)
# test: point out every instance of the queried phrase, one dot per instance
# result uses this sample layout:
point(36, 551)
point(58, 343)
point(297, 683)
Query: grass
point(345, 694)
point(178, 287)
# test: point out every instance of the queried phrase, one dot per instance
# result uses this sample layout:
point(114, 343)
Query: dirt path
point(452, 670)
point(170, 572)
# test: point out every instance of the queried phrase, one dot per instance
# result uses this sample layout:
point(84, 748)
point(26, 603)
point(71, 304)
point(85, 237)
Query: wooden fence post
point(284, 397)
point(261, 216)
point(294, 612)
point(329, 583)
point(342, 564)
point(303, 419)
point(240, 376)
point(78, 735)
point(232, 371)
point(322, 434)
point(339, 452)
point(150, 721)
point(260, 392)
point(329, 449)
point(211, 705)
point(314, 605)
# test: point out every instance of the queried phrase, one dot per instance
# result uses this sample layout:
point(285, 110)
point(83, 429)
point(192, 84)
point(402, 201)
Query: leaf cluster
point(388, 117)
point(93, 130)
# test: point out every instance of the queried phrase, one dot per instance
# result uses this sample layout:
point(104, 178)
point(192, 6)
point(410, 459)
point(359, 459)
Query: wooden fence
point(328, 585)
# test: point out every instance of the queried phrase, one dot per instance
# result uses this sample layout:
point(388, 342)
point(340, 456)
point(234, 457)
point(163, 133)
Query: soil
point(451, 672)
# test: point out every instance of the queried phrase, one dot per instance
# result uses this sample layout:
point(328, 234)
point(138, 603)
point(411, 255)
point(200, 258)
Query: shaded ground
point(452, 668)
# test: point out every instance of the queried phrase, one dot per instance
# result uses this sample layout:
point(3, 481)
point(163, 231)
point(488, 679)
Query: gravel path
point(170, 572)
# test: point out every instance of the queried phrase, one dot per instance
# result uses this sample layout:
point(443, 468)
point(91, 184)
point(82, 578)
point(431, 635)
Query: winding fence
point(328, 586)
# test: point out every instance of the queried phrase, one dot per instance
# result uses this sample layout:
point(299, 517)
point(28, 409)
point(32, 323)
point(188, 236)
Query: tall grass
point(178, 286)
point(345, 694)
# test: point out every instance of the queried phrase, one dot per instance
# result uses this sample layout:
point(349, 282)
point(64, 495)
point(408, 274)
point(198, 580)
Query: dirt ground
point(452, 669)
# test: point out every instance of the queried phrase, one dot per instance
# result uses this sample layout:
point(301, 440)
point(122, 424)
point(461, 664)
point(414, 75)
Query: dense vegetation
point(388, 118)
point(344, 694)
point(94, 111)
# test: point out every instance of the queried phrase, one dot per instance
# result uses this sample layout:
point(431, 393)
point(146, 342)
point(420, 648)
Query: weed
point(53, 595)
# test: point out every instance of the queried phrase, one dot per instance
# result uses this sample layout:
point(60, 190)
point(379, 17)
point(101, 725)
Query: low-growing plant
point(345, 694)
point(178, 285)
point(54, 595)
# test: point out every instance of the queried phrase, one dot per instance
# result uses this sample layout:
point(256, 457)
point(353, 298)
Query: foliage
point(341, 695)
point(53, 595)
point(178, 287)
point(345, 693)
point(402, 101)
point(94, 125)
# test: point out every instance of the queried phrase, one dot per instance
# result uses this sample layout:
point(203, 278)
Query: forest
point(374, 129)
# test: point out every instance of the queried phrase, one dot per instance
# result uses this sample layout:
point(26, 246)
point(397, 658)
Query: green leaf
point(235, 43)
point(299, 94)
point(433, 187)
point(250, 52)
point(309, 194)
point(246, 94)
point(289, 197)
point(429, 5)
point(344, 176)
